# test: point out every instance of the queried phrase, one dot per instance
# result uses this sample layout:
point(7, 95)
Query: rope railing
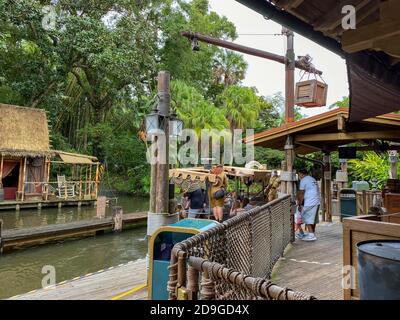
point(234, 260)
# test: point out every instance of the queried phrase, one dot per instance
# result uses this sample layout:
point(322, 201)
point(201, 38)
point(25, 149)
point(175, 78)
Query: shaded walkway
point(314, 267)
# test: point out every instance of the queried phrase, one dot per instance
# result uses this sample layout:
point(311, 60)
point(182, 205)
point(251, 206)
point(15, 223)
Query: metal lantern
point(175, 126)
point(153, 121)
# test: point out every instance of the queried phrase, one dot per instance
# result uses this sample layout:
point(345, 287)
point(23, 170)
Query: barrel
point(1, 194)
point(379, 269)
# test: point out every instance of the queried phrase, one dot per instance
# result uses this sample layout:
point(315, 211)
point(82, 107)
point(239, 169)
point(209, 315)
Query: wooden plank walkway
point(15, 239)
point(102, 285)
point(314, 267)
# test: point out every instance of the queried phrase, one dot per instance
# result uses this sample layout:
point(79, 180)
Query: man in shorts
point(308, 199)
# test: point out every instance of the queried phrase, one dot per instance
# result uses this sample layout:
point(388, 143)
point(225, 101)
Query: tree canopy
point(92, 64)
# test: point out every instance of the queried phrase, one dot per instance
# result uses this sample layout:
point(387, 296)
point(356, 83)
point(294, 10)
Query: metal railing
point(234, 260)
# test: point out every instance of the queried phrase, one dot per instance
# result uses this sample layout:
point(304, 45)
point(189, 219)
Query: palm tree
point(241, 107)
point(229, 68)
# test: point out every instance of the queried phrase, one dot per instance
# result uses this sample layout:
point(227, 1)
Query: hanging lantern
point(311, 93)
point(153, 122)
point(175, 126)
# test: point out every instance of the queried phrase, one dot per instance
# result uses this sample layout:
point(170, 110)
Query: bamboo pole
point(97, 180)
point(90, 179)
point(80, 181)
point(86, 180)
point(48, 177)
point(23, 180)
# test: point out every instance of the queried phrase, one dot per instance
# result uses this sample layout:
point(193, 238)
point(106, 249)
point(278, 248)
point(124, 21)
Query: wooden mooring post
point(117, 219)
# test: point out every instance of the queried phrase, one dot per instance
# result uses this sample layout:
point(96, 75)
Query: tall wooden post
point(290, 67)
point(159, 190)
point(164, 105)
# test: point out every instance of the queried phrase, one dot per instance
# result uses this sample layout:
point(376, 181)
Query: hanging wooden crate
point(311, 94)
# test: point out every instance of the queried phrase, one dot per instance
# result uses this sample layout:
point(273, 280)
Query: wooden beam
point(364, 37)
point(341, 125)
point(308, 146)
point(333, 18)
point(341, 136)
point(362, 14)
point(290, 4)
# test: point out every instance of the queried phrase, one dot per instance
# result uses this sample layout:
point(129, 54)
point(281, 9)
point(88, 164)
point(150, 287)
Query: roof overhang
point(372, 50)
point(328, 131)
point(74, 158)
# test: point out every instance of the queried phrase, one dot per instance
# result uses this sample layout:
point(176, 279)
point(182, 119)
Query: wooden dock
point(20, 238)
point(124, 282)
point(314, 267)
point(37, 204)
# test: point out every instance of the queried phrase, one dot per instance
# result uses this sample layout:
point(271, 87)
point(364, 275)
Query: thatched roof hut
point(24, 132)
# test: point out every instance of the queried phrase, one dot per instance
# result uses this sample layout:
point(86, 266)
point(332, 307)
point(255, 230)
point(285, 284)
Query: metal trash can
point(348, 203)
point(379, 269)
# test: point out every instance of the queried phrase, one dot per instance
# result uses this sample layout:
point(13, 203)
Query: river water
point(21, 271)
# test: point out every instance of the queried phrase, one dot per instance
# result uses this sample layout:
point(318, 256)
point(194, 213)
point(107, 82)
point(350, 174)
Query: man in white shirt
point(308, 200)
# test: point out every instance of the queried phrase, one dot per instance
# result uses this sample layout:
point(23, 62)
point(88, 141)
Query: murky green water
point(21, 271)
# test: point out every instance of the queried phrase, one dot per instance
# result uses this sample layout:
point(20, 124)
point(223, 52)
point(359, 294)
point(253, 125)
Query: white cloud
point(268, 76)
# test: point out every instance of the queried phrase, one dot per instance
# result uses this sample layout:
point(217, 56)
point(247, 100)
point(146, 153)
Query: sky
point(269, 76)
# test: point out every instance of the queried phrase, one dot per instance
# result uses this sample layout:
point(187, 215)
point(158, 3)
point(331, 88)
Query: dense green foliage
point(371, 166)
point(95, 70)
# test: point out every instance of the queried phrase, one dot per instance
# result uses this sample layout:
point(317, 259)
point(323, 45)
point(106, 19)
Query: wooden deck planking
point(99, 286)
point(12, 239)
point(314, 267)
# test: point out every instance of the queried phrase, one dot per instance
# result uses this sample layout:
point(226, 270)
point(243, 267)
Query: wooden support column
point(289, 160)
point(90, 180)
point(117, 219)
point(48, 162)
point(328, 193)
point(162, 193)
point(23, 180)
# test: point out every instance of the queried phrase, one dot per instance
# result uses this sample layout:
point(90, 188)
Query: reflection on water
point(34, 217)
point(20, 271)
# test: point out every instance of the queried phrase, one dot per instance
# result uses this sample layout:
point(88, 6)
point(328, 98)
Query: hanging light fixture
point(153, 122)
point(175, 126)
